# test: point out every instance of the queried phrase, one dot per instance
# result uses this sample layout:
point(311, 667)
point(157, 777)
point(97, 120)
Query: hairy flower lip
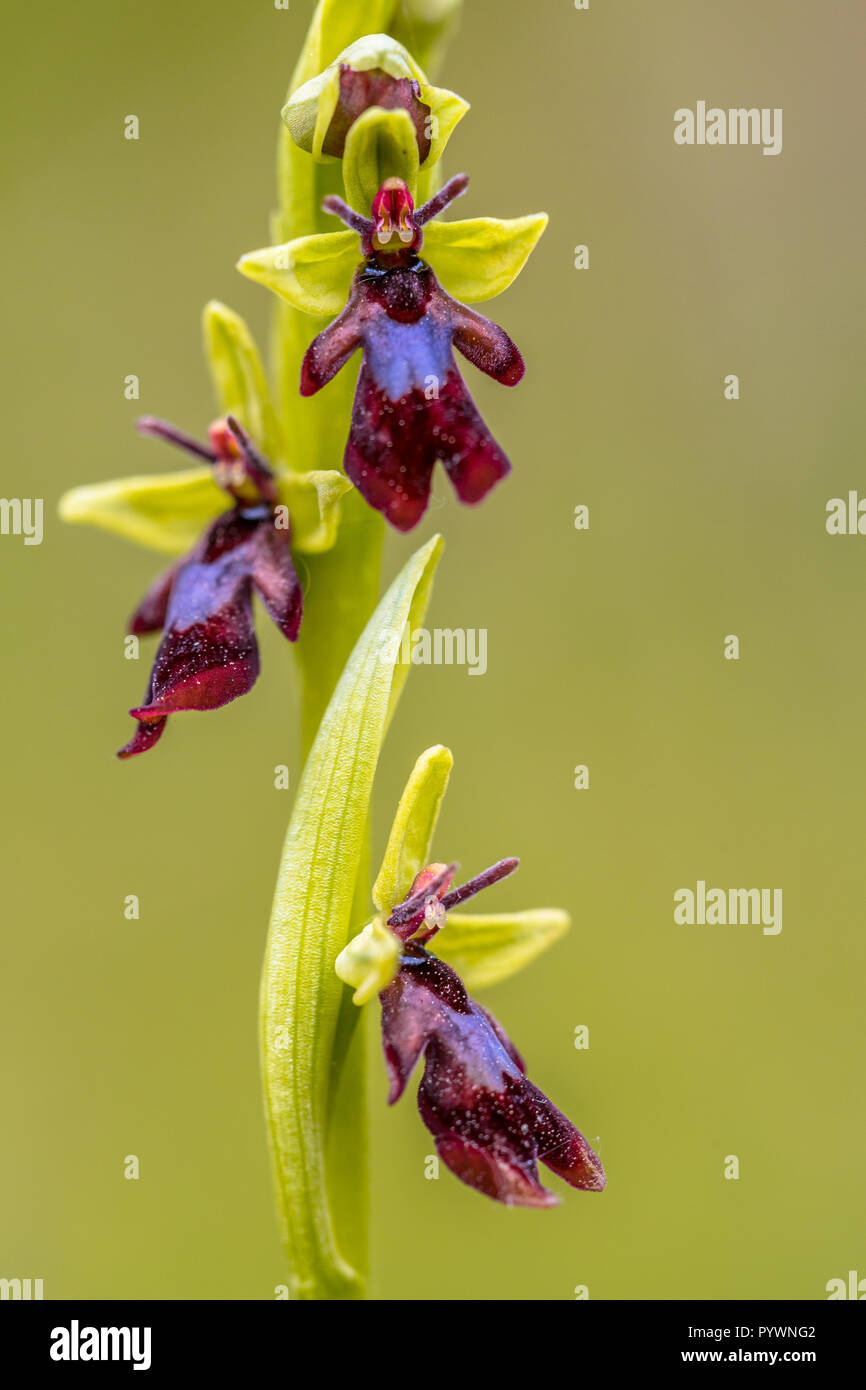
point(490, 1123)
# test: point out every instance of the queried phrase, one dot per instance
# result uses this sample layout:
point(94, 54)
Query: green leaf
point(412, 830)
point(480, 258)
point(301, 994)
point(380, 145)
point(486, 949)
point(168, 512)
point(239, 377)
point(312, 273)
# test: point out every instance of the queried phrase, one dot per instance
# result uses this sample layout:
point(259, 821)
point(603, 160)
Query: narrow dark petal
point(161, 429)
point(258, 469)
point(149, 616)
point(412, 909)
point(454, 188)
point(362, 225)
point(479, 883)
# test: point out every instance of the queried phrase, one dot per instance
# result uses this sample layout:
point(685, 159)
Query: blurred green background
point(605, 648)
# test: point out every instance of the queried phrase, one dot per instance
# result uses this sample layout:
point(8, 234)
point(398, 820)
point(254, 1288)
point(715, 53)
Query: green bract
point(474, 260)
point(309, 111)
point(169, 511)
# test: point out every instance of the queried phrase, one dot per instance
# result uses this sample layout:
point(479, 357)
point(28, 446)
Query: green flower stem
point(343, 590)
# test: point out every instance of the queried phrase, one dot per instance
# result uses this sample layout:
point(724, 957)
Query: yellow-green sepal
point(239, 378)
point(165, 512)
point(486, 949)
point(369, 961)
point(412, 831)
point(312, 273)
point(168, 512)
point(380, 145)
point(479, 258)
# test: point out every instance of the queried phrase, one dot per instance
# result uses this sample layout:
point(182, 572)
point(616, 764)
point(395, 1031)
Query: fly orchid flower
point(208, 655)
point(412, 406)
point(491, 1124)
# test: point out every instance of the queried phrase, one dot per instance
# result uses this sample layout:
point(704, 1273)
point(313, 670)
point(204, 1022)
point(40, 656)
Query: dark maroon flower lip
point(491, 1124)
point(412, 407)
point(208, 654)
